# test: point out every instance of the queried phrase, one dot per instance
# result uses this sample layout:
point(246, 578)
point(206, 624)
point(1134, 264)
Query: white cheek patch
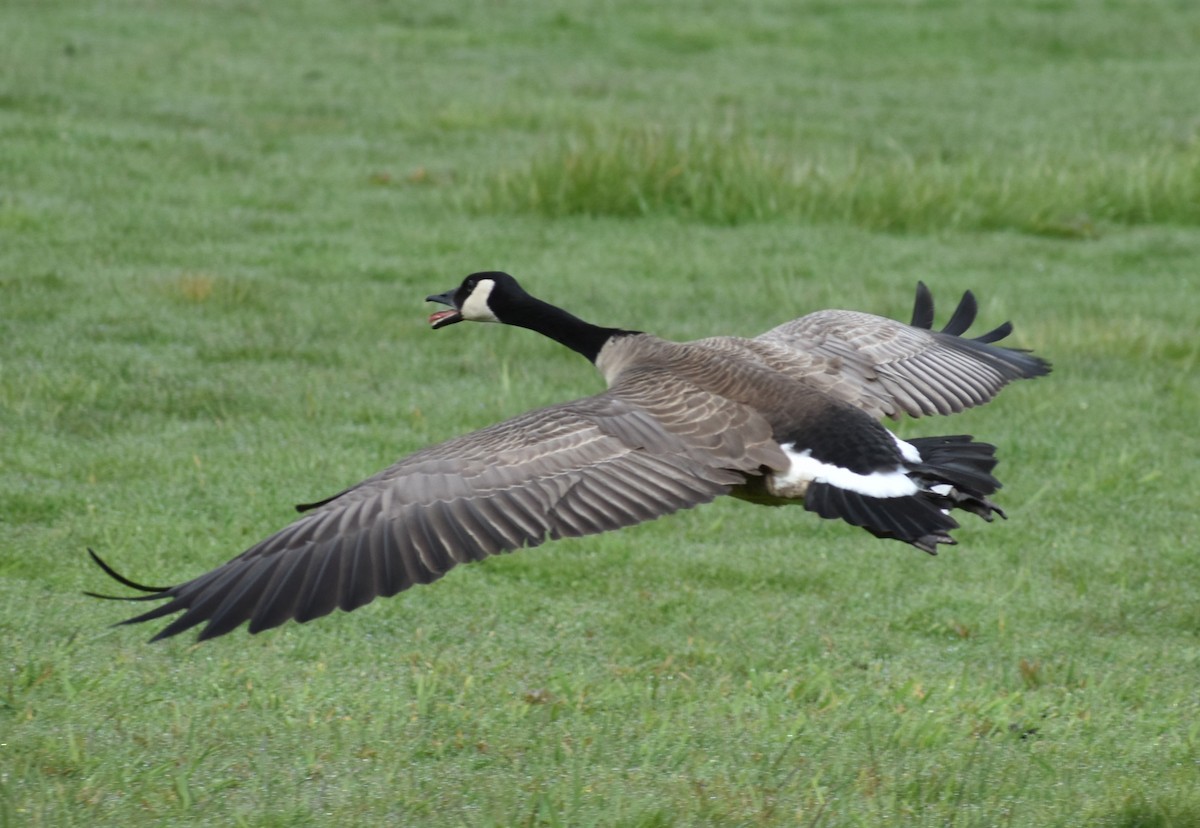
point(476, 309)
point(806, 469)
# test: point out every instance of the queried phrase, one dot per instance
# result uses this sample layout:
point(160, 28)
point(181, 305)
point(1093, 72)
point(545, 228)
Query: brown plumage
point(789, 416)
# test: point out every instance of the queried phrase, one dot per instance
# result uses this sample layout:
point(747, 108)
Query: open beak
point(440, 319)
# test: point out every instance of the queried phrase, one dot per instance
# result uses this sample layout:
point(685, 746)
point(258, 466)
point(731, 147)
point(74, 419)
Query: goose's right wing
point(887, 368)
point(588, 466)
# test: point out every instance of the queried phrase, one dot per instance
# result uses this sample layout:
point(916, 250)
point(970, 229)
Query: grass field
point(218, 223)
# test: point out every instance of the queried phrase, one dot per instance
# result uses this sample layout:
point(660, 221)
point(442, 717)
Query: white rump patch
point(907, 450)
point(806, 469)
point(476, 308)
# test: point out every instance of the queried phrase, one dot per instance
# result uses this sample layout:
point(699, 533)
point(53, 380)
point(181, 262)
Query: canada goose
point(791, 416)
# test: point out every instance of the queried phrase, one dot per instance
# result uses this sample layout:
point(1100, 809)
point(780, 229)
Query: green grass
point(217, 226)
point(726, 179)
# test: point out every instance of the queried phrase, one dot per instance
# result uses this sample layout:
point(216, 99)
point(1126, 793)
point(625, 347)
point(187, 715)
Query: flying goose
point(791, 416)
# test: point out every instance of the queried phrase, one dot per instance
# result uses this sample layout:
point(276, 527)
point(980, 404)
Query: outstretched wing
point(886, 367)
point(588, 466)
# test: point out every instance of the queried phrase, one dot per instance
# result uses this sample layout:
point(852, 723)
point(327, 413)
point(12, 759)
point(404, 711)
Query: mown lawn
point(218, 223)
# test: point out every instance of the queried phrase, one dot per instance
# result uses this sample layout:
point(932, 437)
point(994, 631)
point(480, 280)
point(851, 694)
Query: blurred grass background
point(218, 222)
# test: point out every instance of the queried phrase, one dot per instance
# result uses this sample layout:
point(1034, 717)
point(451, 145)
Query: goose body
point(791, 416)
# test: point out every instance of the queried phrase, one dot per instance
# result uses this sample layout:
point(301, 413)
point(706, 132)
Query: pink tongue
point(434, 318)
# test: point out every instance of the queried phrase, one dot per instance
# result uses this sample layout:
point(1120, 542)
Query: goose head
point(482, 297)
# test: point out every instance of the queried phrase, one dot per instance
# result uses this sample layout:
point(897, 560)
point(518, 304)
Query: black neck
point(564, 328)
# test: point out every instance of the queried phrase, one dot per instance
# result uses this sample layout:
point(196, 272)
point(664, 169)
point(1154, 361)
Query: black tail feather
point(916, 519)
point(955, 472)
point(957, 460)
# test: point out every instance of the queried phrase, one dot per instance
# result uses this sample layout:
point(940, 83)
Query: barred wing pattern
point(888, 368)
point(578, 468)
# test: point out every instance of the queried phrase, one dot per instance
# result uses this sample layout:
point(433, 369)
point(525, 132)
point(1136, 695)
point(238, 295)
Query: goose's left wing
point(578, 468)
